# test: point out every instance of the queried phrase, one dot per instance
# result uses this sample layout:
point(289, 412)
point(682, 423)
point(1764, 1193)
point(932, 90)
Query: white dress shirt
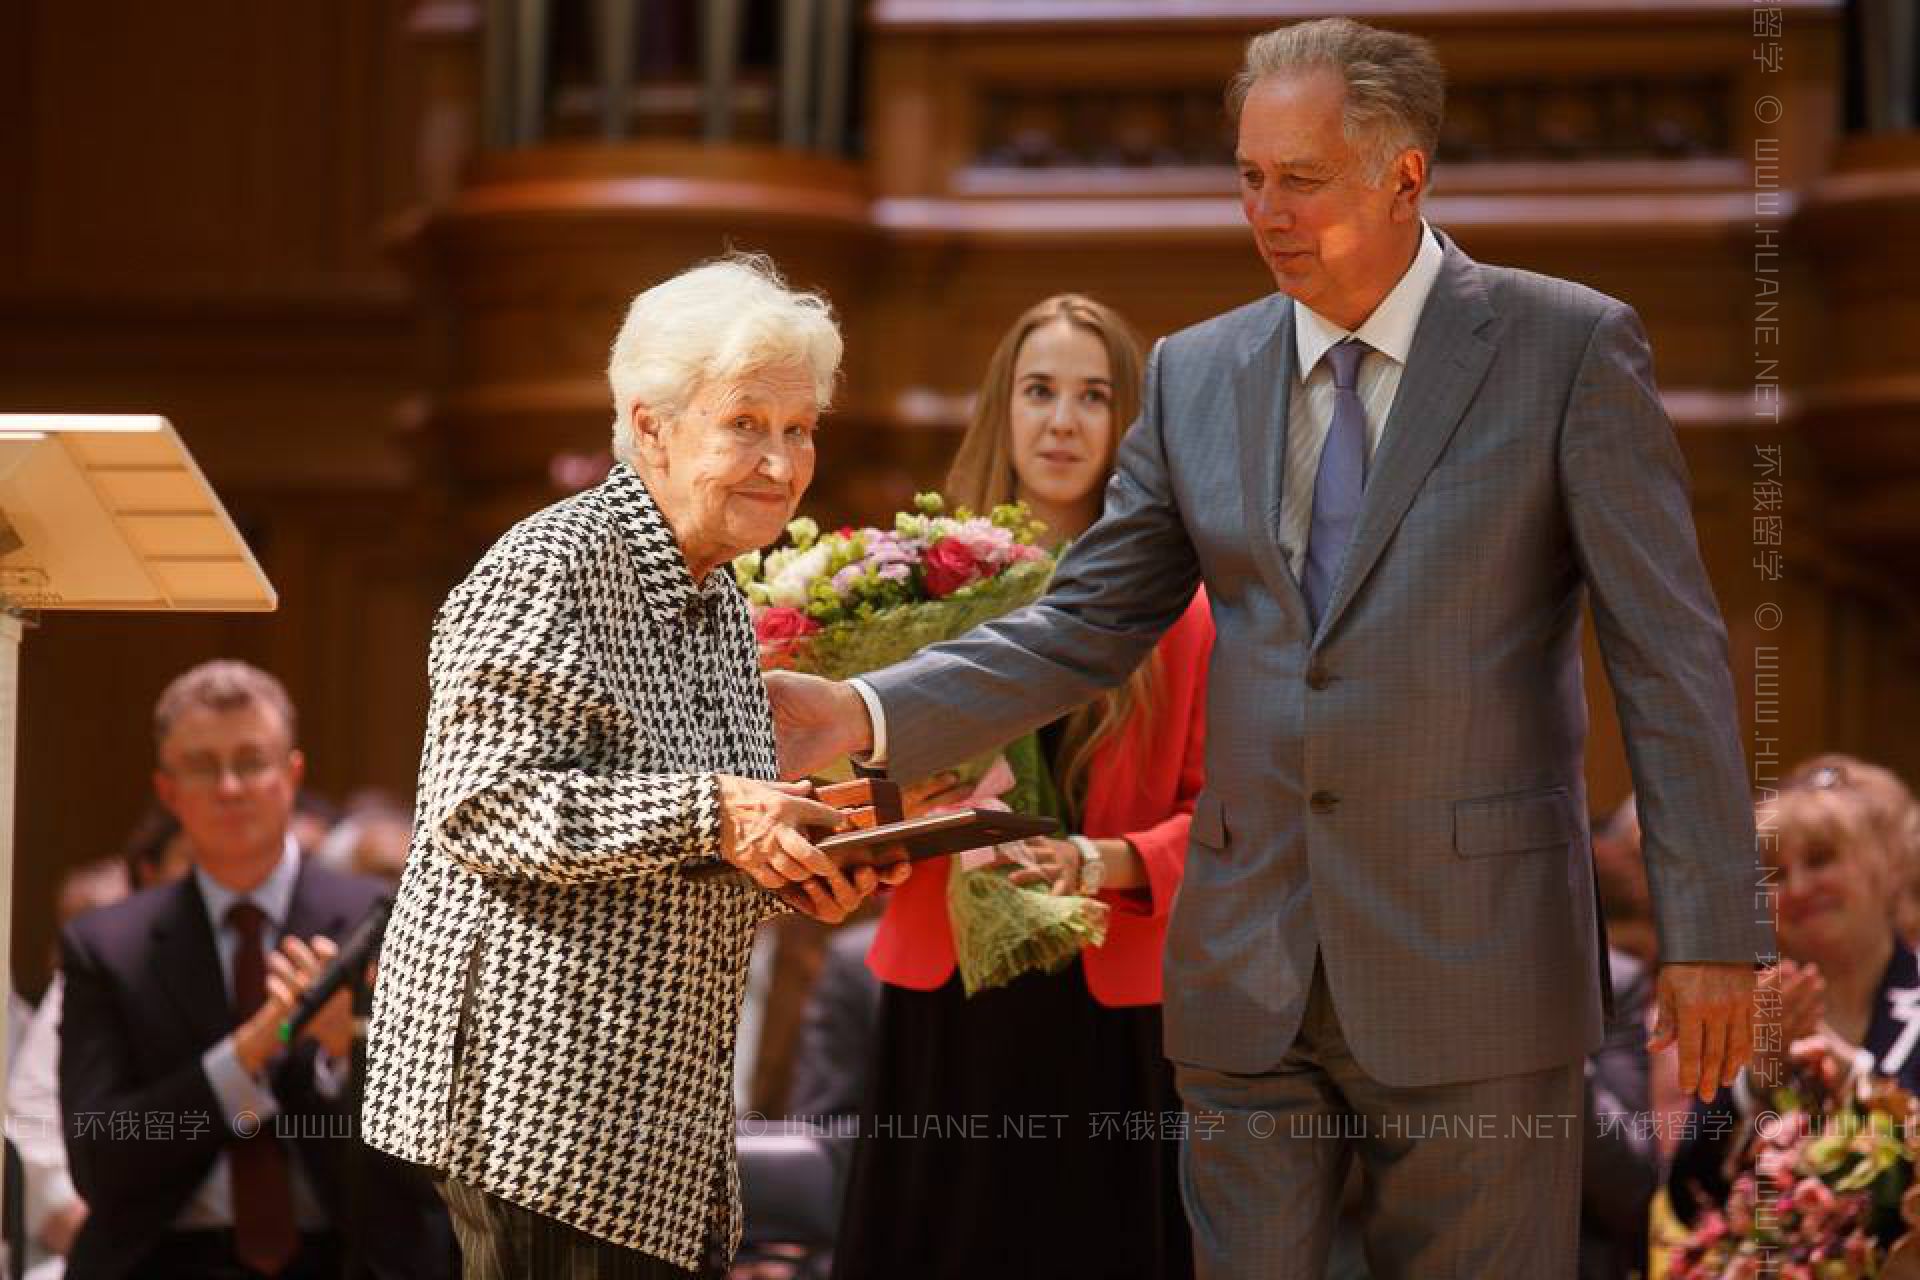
point(1389, 331)
point(33, 1122)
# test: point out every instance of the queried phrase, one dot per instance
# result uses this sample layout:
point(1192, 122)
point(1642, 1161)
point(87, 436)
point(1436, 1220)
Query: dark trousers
point(208, 1255)
point(502, 1241)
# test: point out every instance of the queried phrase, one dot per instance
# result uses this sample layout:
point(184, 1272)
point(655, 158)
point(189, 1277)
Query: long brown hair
point(982, 477)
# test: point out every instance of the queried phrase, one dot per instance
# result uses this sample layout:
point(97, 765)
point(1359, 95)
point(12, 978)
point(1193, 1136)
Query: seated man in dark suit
point(203, 1146)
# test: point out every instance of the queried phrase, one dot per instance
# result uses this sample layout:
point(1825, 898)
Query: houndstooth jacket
point(554, 1020)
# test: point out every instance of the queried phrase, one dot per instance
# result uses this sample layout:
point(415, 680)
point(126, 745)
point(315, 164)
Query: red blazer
point(1141, 785)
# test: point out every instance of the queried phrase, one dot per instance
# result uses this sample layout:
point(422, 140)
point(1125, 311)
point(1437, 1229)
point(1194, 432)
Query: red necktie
point(264, 1236)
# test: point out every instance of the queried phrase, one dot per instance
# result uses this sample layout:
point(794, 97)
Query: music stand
point(101, 512)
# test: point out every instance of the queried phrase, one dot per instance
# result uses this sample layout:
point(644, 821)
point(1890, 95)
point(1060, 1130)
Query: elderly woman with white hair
point(554, 1023)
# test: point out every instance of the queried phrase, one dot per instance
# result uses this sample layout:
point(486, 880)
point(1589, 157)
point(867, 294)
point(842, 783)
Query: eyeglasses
point(206, 773)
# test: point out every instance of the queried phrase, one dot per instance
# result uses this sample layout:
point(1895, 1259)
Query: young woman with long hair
point(1032, 1130)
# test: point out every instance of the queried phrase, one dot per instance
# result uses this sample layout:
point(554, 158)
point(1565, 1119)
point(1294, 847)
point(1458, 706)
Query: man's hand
point(303, 963)
point(1706, 1009)
point(59, 1228)
point(816, 721)
point(290, 971)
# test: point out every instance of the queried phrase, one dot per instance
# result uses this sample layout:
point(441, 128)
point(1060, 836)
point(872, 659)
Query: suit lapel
point(309, 915)
point(1448, 361)
point(190, 964)
point(1262, 389)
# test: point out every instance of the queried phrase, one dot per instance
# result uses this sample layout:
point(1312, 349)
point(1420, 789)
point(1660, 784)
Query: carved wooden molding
point(998, 15)
point(681, 180)
point(1611, 118)
point(1185, 126)
point(1690, 216)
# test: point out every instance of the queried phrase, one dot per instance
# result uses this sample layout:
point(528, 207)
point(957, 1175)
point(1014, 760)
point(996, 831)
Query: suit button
point(1318, 677)
point(1323, 802)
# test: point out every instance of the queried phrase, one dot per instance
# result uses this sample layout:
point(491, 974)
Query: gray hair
point(1396, 87)
point(716, 321)
point(221, 685)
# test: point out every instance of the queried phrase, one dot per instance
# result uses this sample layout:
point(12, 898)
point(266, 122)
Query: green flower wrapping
point(1002, 930)
point(852, 648)
point(843, 604)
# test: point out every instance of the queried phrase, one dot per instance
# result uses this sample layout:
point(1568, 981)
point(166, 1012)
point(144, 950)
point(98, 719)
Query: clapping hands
point(1802, 1006)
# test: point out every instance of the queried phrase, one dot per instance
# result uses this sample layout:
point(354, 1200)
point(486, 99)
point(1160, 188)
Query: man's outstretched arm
point(1119, 587)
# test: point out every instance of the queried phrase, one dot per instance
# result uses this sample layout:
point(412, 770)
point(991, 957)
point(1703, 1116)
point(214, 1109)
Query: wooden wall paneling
point(251, 151)
point(1808, 84)
point(16, 139)
point(902, 110)
point(1877, 666)
point(444, 40)
point(262, 395)
point(136, 176)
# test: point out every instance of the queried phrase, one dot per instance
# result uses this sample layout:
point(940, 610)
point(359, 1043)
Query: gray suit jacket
point(1401, 792)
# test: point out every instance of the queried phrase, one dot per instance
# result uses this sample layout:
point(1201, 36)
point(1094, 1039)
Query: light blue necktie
point(1338, 484)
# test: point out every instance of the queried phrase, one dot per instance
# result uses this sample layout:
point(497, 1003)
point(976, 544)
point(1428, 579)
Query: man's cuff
point(329, 1076)
point(876, 758)
point(238, 1093)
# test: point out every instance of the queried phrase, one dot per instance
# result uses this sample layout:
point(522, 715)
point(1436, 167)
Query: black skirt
point(1027, 1132)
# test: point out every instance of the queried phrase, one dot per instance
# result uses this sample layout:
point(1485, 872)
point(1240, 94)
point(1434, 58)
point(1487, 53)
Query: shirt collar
point(1389, 330)
point(274, 895)
point(665, 583)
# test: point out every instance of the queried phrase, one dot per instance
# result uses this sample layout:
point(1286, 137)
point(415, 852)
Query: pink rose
point(1812, 1196)
point(989, 543)
point(949, 566)
point(1776, 1167)
point(781, 625)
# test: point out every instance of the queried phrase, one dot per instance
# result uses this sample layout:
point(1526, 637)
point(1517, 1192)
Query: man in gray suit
point(1397, 479)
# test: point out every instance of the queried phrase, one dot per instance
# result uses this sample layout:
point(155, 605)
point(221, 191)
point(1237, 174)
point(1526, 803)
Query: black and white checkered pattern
point(585, 693)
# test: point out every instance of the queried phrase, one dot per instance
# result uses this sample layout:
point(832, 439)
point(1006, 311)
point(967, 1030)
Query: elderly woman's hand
point(832, 899)
point(763, 831)
point(762, 827)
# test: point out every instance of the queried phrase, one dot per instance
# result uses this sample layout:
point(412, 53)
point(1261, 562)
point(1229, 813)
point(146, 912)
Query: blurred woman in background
point(1835, 840)
point(1091, 1189)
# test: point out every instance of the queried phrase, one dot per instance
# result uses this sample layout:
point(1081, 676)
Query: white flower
point(788, 586)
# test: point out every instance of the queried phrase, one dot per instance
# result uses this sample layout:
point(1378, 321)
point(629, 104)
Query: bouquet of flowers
point(842, 604)
point(1824, 1188)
